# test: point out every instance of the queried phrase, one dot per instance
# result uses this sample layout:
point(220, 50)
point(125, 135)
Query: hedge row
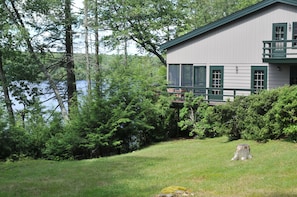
point(268, 115)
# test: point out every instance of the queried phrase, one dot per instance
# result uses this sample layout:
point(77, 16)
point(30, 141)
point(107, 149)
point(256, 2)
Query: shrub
point(261, 117)
point(283, 116)
point(267, 115)
point(245, 116)
point(198, 117)
point(130, 112)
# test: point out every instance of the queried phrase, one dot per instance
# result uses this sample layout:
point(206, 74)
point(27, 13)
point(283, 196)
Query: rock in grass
point(174, 191)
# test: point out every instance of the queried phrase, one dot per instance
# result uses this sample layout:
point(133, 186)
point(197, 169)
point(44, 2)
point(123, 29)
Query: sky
point(132, 50)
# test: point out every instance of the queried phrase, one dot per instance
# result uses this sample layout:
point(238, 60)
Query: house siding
point(278, 76)
point(239, 42)
point(238, 46)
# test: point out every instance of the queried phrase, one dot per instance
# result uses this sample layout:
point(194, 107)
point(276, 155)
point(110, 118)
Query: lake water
point(44, 88)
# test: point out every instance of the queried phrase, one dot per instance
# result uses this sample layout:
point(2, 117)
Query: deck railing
point(211, 95)
point(275, 49)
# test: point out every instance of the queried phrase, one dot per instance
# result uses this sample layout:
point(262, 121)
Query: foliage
point(148, 23)
point(5, 140)
point(200, 13)
point(283, 115)
point(14, 142)
point(197, 117)
point(40, 128)
point(29, 136)
point(255, 126)
point(231, 118)
point(130, 113)
point(261, 117)
point(60, 146)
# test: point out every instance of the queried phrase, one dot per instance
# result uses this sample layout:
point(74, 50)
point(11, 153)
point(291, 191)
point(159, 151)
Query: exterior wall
point(238, 46)
point(279, 72)
point(239, 42)
point(233, 77)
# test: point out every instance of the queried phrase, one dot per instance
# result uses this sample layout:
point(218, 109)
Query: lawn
point(203, 166)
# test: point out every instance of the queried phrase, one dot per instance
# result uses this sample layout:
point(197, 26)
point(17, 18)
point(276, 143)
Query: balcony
point(280, 51)
point(213, 96)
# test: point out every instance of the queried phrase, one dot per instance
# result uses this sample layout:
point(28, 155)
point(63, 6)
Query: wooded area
point(126, 106)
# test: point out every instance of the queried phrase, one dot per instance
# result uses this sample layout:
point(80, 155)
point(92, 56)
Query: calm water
point(52, 103)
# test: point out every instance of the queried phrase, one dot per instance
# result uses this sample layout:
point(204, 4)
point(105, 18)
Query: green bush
point(283, 115)
point(131, 111)
point(198, 117)
point(246, 116)
point(267, 115)
point(61, 146)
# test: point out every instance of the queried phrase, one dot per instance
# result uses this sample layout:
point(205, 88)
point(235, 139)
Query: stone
point(243, 152)
point(175, 191)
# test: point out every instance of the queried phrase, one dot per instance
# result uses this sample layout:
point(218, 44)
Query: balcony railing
point(279, 50)
point(211, 95)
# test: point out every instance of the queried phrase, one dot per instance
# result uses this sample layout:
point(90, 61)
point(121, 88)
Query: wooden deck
point(227, 94)
point(180, 103)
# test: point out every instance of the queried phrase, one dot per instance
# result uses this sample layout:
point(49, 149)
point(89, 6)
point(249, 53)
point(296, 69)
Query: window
point(216, 82)
point(187, 75)
point(183, 75)
point(199, 79)
point(259, 78)
point(173, 74)
point(279, 36)
point(294, 36)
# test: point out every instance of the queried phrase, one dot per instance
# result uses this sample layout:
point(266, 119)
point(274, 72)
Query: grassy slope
point(204, 166)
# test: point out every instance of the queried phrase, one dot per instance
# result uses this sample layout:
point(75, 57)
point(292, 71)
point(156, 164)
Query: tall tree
point(86, 25)
point(202, 12)
point(71, 81)
point(91, 24)
point(4, 85)
point(96, 29)
point(23, 27)
point(148, 23)
point(4, 37)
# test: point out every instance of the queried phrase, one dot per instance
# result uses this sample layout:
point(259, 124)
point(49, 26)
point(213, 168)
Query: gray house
point(250, 50)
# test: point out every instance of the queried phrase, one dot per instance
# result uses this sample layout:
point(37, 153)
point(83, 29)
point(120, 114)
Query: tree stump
point(243, 152)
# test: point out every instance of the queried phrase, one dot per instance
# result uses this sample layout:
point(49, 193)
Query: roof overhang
point(235, 16)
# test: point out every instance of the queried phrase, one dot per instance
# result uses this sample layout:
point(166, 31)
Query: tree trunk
point(71, 82)
point(98, 69)
point(86, 10)
point(19, 22)
point(126, 51)
point(7, 99)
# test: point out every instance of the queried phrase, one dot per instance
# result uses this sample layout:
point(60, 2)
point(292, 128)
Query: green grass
point(203, 166)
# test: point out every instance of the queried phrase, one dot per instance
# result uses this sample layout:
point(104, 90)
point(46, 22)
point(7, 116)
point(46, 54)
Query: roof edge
point(223, 21)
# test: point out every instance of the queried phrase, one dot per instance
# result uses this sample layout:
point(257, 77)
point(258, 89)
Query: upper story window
point(279, 36)
point(279, 32)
